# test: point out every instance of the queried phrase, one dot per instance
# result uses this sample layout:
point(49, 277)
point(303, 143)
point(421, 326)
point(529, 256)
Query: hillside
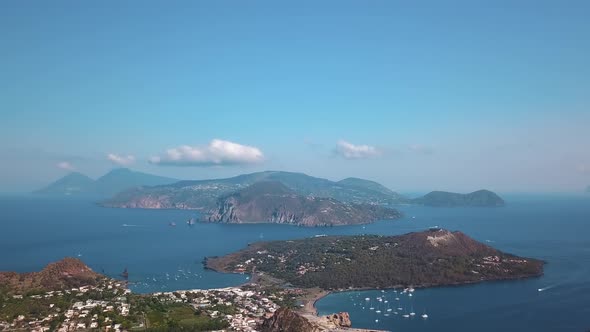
point(428, 258)
point(273, 202)
point(203, 194)
point(64, 274)
point(480, 198)
point(79, 185)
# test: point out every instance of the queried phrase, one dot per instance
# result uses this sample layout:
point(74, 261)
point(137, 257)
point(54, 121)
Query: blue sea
point(159, 257)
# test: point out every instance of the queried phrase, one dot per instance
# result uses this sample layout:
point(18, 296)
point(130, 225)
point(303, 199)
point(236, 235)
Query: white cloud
point(65, 165)
point(121, 160)
point(352, 151)
point(217, 152)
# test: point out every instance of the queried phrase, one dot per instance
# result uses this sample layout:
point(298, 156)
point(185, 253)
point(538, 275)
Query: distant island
point(204, 194)
point(76, 184)
point(480, 198)
point(423, 259)
point(273, 202)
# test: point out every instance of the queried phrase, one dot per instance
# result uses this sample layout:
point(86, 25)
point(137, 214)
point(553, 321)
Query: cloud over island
point(217, 153)
point(348, 150)
point(120, 159)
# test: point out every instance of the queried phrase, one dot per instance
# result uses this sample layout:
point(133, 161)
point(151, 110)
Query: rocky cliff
point(273, 202)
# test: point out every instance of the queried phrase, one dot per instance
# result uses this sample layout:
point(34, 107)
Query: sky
point(417, 95)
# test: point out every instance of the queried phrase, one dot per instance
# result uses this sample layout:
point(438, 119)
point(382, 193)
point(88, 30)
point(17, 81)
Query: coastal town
point(109, 306)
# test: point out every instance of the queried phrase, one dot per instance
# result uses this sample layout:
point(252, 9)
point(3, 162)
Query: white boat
point(367, 299)
point(424, 316)
point(410, 294)
point(406, 316)
point(376, 321)
point(400, 308)
point(378, 311)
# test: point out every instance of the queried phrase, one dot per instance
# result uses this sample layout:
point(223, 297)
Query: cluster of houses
point(78, 316)
point(250, 307)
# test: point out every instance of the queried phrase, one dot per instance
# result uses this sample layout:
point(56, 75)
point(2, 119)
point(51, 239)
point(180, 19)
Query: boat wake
point(127, 225)
point(545, 288)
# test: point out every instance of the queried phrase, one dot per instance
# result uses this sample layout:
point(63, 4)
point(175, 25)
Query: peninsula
point(422, 259)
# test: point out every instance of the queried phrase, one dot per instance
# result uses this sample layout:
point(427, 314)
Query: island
point(204, 194)
point(435, 257)
point(273, 202)
point(480, 198)
point(78, 185)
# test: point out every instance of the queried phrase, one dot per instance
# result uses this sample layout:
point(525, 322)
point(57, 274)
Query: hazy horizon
point(454, 96)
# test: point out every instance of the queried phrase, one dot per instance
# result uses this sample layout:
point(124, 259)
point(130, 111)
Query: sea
point(161, 257)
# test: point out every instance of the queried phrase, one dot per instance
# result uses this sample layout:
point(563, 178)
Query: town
point(110, 306)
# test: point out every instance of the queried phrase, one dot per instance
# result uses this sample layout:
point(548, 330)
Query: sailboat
point(412, 313)
point(191, 221)
point(424, 315)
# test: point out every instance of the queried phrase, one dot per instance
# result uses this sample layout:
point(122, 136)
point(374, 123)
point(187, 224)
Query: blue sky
point(418, 95)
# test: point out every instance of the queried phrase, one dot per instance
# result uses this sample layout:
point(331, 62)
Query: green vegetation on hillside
point(340, 262)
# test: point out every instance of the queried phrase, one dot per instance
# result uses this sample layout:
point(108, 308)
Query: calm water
point(34, 232)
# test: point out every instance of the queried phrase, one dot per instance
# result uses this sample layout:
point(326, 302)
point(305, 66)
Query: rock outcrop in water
point(64, 274)
point(480, 198)
point(287, 320)
point(273, 202)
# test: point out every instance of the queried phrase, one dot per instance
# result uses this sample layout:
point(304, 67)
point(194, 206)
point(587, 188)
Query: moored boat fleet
point(391, 305)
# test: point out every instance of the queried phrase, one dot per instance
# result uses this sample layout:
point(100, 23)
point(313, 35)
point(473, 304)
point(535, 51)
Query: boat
point(172, 224)
point(378, 311)
point(320, 235)
point(125, 274)
point(367, 298)
point(412, 313)
point(424, 315)
point(191, 221)
point(400, 308)
point(434, 228)
point(406, 316)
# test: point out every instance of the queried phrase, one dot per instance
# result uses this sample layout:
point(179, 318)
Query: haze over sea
point(160, 257)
